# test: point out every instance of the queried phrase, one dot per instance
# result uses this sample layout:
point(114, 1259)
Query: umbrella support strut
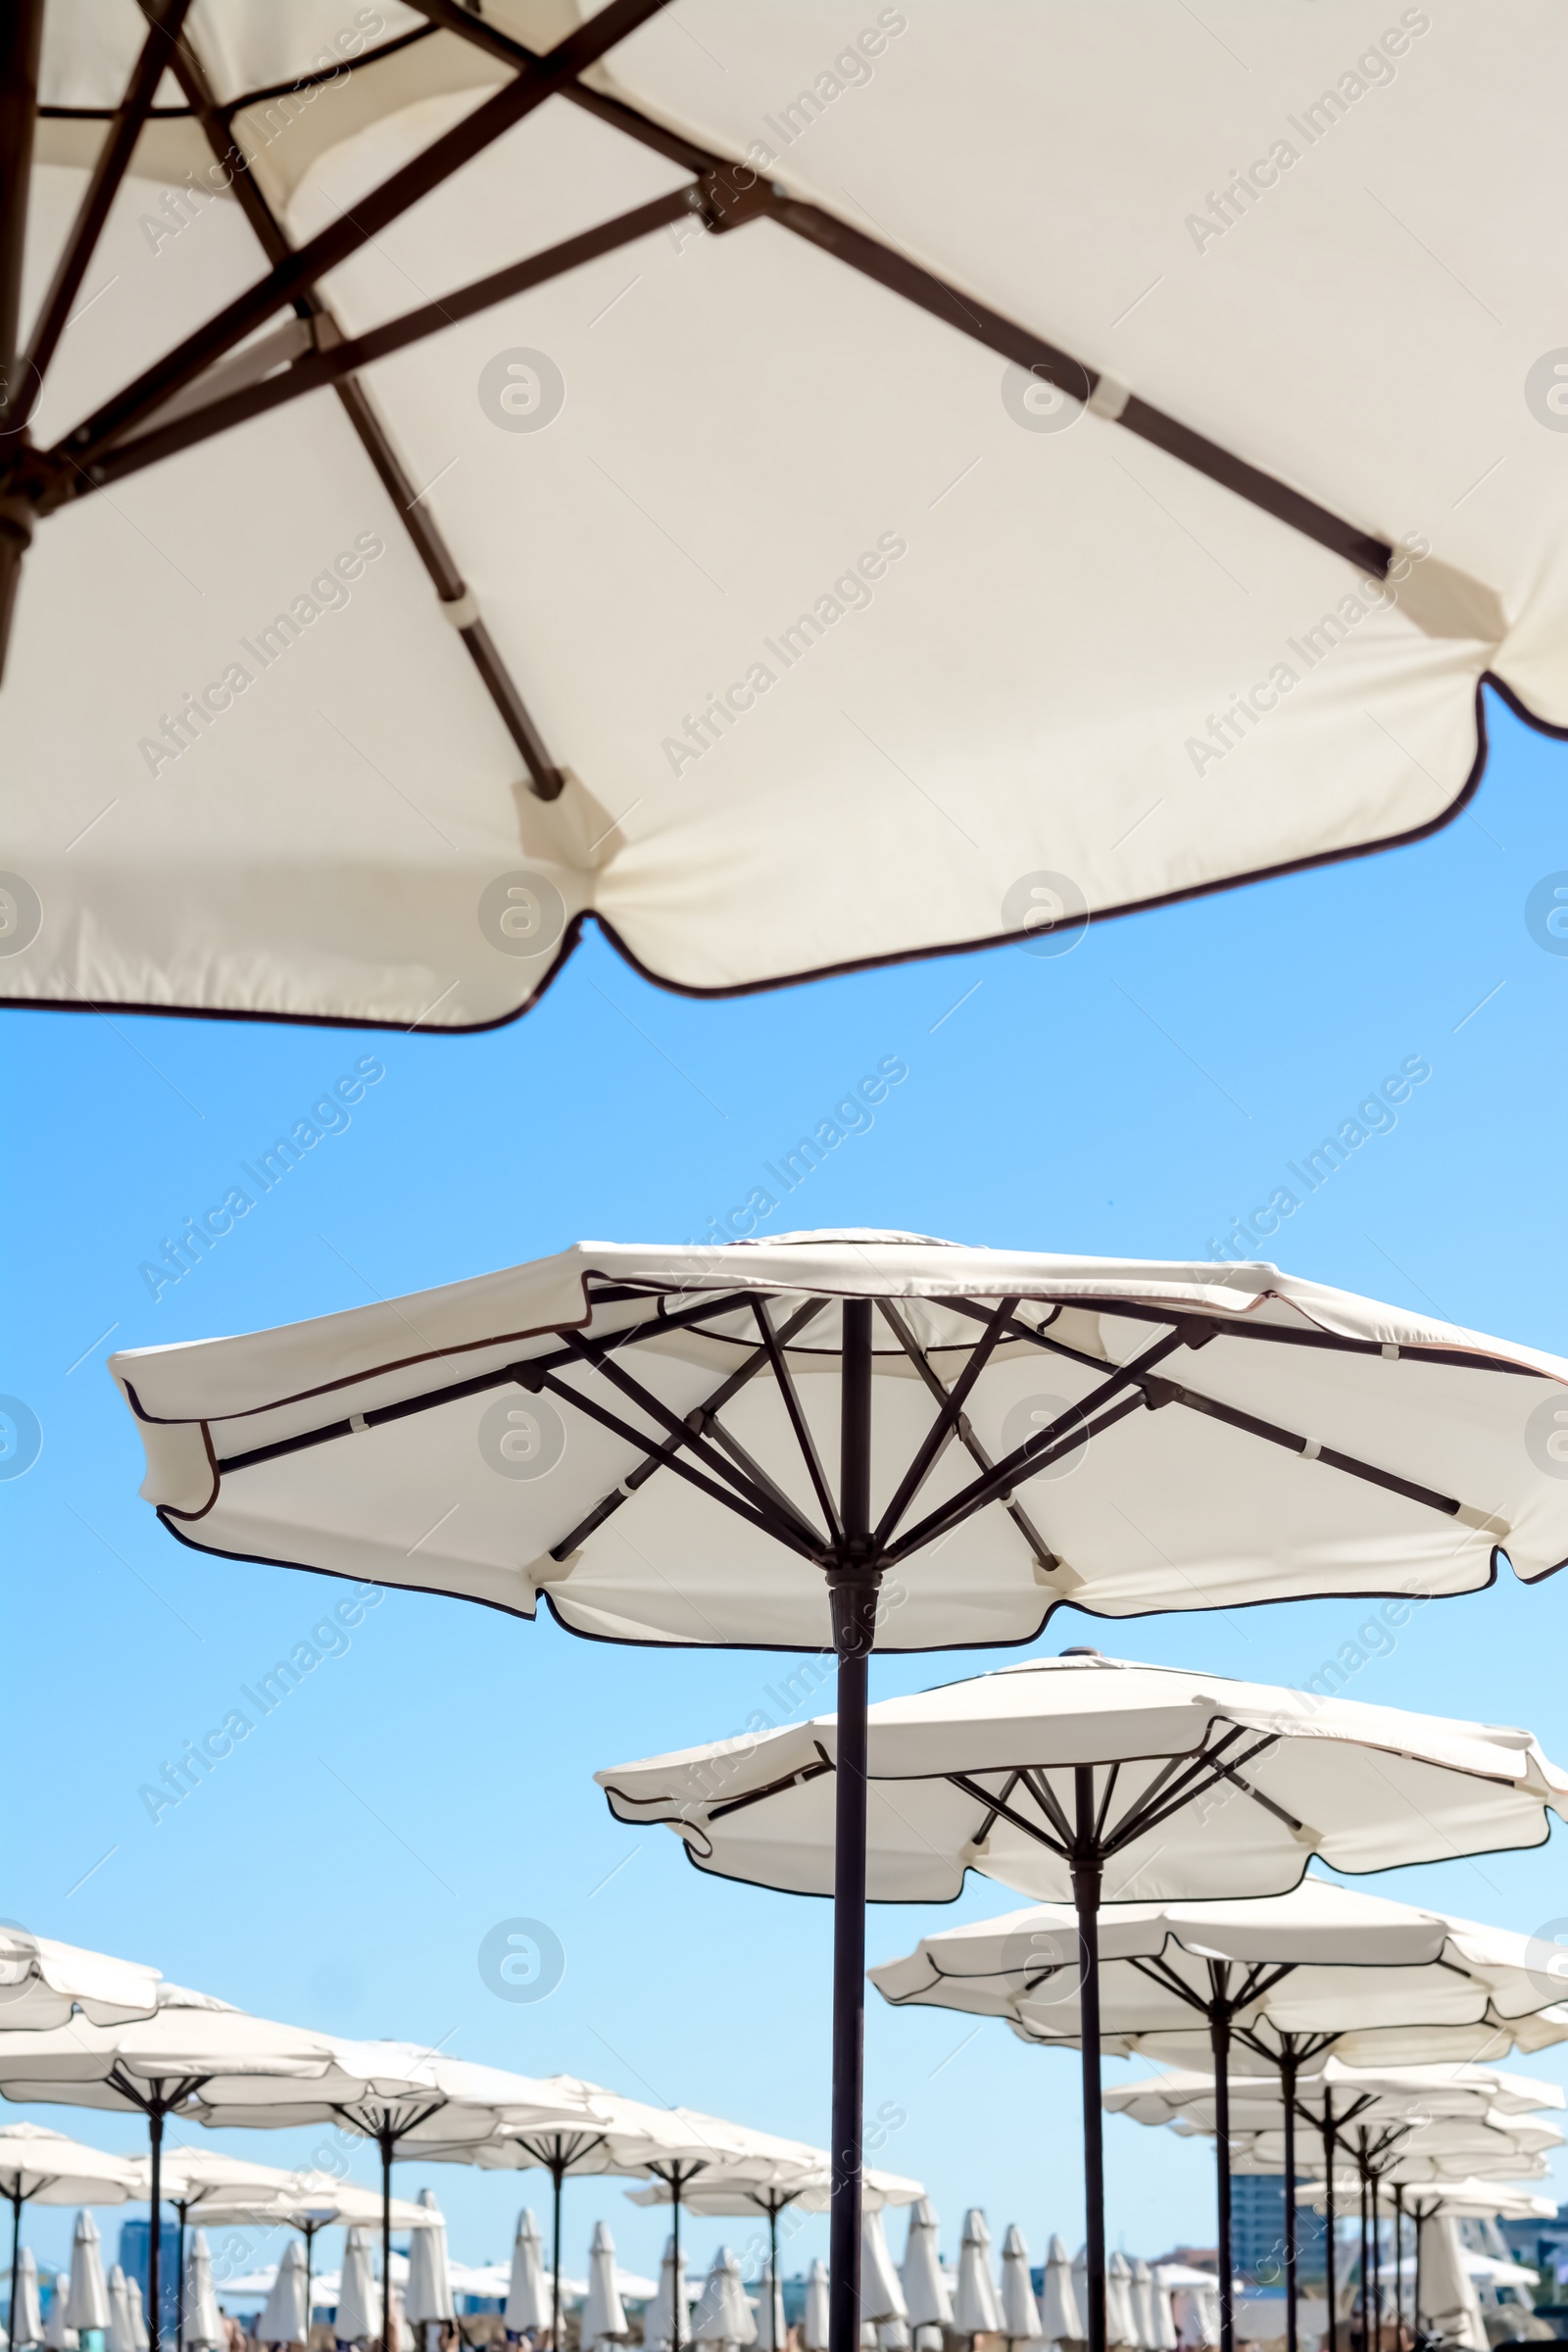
point(853, 1587)
point(1088, 1874)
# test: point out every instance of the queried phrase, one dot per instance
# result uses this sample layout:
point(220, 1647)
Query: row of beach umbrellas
point(840, 1442)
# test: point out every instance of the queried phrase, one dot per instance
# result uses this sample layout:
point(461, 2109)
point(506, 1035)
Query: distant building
point(1541, 2246)
point(1258, 2231)
point(135, 2243)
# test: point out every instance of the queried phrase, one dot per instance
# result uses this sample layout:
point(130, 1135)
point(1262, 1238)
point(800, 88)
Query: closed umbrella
point(138, 2317)
point(359, 2295)
point(814, 2313)
point(881, 2290)
point(926, 2292)
point(723, 2315)
point(665, 2320)
point(87, 2301)
point(1284, 1468)
point(41, 2167)
point(773, 2333)
point(285, 2318)
point(121, 2335)
point(975, 2308)
point(1081, 2282)
point(1157, 2331)
point(1235, 585)
point(1121, 2318)
point(428, 2301)
point(1061, 2317)
point(1448, 2304)
point(527, 2304)
point(604, 2319)
point(26, 2320)
point(203, 2325)
point(58, 2335)
point(1020, 2314)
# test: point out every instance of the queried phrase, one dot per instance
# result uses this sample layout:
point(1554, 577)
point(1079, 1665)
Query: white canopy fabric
point(1157, 2329)
point(772, 2330)
point(1464, 2199)
point(673, 2297)
point(26, 2320)
point(950, 1789)
point(1121, 2316)
point(1504, 2145)
point(201, 2324)
point(44, 1983)
point(88, 2299)
point(881, 2290)
point(45, 2168)
point(1379, 2093)
point(1195, 2303)
point(285, 2319)
point(1061, 2317)
point(57, 2335)
point(723, 2315)
point(927, 2294)
point(121, 2335)
point(138, 2317)
point(222, 2188)
point(813, 2319)
point(818, 699)
point(527, 2303)
point(976, 2309)
point(429, 2290)
point(724, 2187)
point(603, 2316)
point(1320, 1444)
point(1020, 2314)
point(359, 2294)
point(1448, 2303)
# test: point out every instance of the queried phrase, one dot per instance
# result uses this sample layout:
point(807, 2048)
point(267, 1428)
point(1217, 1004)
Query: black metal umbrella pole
point(677, 2175)
point(853, 1585)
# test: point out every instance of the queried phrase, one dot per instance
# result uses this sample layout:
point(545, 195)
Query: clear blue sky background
point(342, 1868)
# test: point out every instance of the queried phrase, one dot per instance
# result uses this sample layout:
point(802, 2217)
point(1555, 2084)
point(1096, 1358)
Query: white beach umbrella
point(665, 2321)
point(814, 2313)
point(976, 2309)
point(138, 2315)
point(1140, 2292)
point(527, 2303)
point(285, 2318)
point(1020, 2314)
point(359, 2294)
point(87, 2301)
point(1324, 1444)
point(1061, 2317)
point(1195, 2305)
point(603, 2316)
point(202, 2325)
point(773, 2332)
point(722, 2313)
point(429, 2293)
point(1121, 2317)
point(1160, 2327)
point(1449, 2305)
point(881, 2290)
point(121, 2335)
point(1081, 2286)
point(41, 2167)
point(43, 1982)
point(58, 2335)
point(26, 2320)
point(926, 2291)
point(1253, 556)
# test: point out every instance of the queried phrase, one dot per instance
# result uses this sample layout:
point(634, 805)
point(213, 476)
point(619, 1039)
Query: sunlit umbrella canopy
point(43, 1984)
point(853, 715)
point(1020, 2314)
point(527, 2303)
point(285, 2318)
point(88, 2299)
point(926, 2291)
point(976, 2309)
point(1061, 2317)
point(26, 2320)
point(41, 2167)
point(604, 2318)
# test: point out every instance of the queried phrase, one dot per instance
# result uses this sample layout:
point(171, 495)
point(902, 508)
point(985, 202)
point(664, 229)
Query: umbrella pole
point(155, 2141)
point(1330, 2220)
point(1365, 2339)
point(851, 1590)
point(558, 2173)
point(181, 2207)
point(1287, 2070)
point(310, 2249)
point(774, 2290)
point(1087, 1872)
point(1219, 2039)
point(21, 33)
point(1415, 2285)
point(17, 2202)
point(1398, 2259)
point(387, 2340)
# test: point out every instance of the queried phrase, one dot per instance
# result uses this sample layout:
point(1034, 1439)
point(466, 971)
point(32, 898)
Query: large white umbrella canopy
point(121, 2335)
point(87, 2301)
point(814, 2313)
point(200, 2323)
point(603, 2316)
point(26, 2320)
point(1468, 2199)
point(1256, 2100)
point(1020, 2314)
point(976, 2309)
point(43, 1984)
point(285, 2318)
point(1260, 644)
point(1061, 2317)
point(359, 2294)
point(527, 2303)
point(723, 2315)
point(429, 2290)
point(41, 2167)
point(926, 2291)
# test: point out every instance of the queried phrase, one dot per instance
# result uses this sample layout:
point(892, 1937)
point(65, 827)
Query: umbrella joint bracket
point(727, 198)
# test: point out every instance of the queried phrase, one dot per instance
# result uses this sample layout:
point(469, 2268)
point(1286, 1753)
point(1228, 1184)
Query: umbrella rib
point(1046, 1798)
point(108, 171)
point(998, 1806)
point(895, 271)
point(1234, 1328)
point(774, 1343)
point(1169, 1391)
point(353, 229)
point(644, 1471)
point(1137, 1824)
point(771, 1502)
point(754, 1796)
point(1057, 1437)
point(971, 1444)
point(945, 1427)
point(984, 1830)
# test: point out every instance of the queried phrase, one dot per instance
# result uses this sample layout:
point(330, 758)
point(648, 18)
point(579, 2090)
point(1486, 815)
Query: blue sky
point(344, 1865)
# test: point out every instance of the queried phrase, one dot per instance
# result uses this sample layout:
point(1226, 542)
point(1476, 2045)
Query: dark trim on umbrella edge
point(854, 965)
